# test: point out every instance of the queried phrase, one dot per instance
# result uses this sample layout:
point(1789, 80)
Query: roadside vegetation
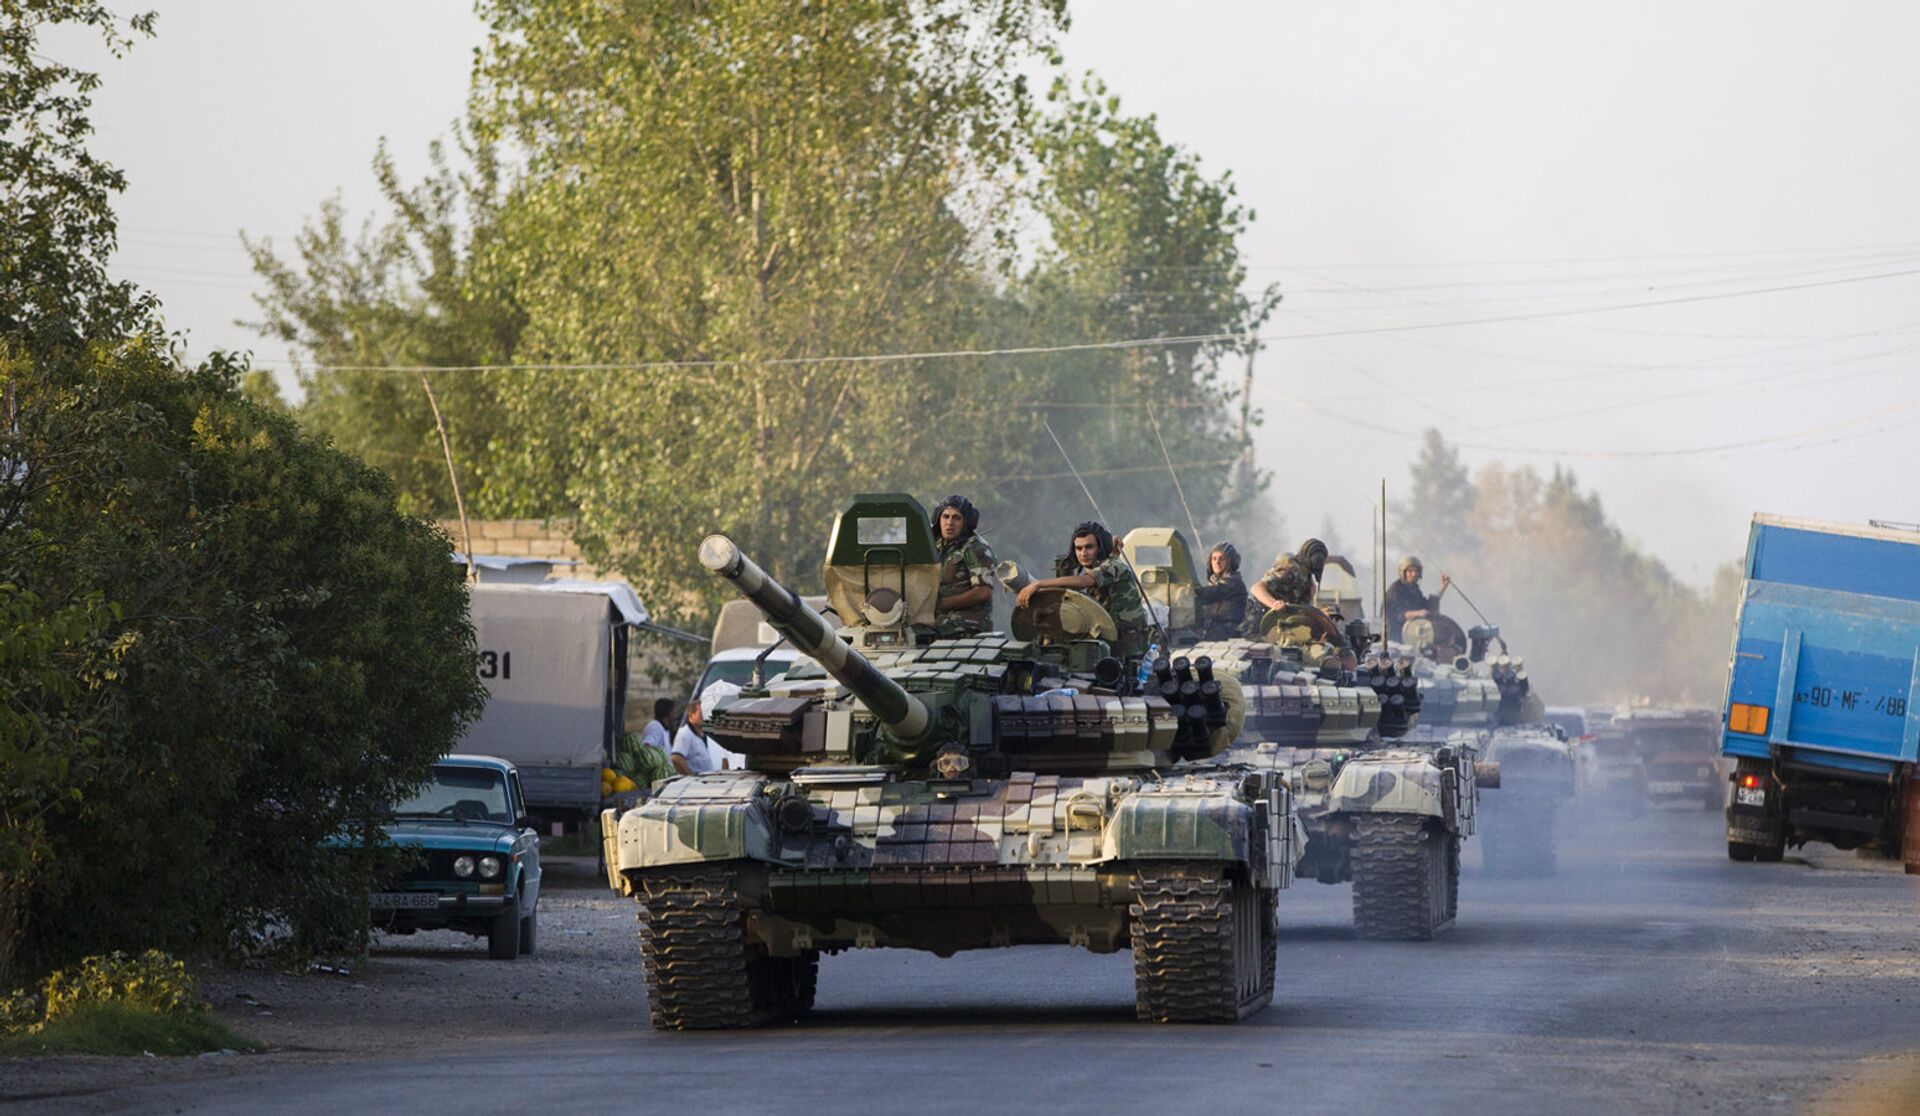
point(1593, 614)
point(221, 641)
point(115, 1004)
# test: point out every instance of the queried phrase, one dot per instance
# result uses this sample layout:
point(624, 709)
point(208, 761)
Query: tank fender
point(698, 818)
point(1176, 820)
point(1390, 785)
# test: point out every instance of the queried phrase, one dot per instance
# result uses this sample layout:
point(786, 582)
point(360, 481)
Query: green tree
point(1139, 244)
point(221, 645)
point(1436, 517)
point(57, 228)
point(738, 186)
point(409, 292)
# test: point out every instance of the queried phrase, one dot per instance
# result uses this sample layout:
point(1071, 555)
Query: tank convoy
point(945, 794)
point(1383, 811)
point(1475, 691)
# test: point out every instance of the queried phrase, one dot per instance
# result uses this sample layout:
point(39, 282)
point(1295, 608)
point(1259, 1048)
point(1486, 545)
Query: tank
point(1382, 809)
point(913, 792)
point(1474, 689)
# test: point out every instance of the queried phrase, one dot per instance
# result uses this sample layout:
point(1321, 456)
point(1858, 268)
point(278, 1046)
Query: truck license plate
point(1749, 796)
point(404, 900)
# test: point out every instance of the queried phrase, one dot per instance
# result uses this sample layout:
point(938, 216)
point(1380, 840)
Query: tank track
point(1204, 947)
point(700, 971)
point(1402, 881)
point(1517, 841)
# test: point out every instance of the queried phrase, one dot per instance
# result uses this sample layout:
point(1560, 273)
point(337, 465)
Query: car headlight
point(463, 866)
point(489, 867)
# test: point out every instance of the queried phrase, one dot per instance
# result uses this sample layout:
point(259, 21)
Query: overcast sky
point(1558, 232)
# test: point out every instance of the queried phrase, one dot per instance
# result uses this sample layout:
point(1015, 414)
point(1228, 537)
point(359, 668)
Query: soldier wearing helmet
point(1406, 602)
point(1222, 600)
point(1294, 578)
point(965, 604)
point(1097, 568)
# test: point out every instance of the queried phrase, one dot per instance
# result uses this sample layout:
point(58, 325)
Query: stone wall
point(526, 538)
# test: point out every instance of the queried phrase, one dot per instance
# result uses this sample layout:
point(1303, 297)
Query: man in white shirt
point(693, 753)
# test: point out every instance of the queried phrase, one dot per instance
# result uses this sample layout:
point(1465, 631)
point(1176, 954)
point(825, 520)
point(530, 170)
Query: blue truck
point(1821, 724)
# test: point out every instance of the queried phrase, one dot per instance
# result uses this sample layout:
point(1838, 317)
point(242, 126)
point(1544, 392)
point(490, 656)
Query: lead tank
point(1332, 718)
point(950, 794)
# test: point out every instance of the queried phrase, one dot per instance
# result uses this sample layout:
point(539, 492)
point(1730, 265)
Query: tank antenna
point(1137, 587)
point(1383, 566)
point(1198, 543)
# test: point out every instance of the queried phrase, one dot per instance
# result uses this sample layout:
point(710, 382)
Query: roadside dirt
point(412, 993)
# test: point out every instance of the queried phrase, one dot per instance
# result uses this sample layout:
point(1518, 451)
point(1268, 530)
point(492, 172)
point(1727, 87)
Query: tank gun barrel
point(904, 715)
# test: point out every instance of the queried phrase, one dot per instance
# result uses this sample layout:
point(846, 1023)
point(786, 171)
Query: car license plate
point(404, 900)
point(1749, 796)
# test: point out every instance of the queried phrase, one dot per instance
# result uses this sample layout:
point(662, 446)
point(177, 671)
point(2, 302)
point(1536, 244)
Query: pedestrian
point(965, 604)
point(693, 753)
point(642, 756)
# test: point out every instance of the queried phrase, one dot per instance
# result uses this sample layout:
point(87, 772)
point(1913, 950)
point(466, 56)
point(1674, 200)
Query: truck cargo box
point(1828, 653)
point(1821, 731)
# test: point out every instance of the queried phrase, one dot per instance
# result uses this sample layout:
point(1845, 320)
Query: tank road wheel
point(1203, 945)
point(1400, 878)
point(701, 972)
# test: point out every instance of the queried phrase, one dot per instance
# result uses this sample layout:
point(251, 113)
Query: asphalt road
point(1650, 975)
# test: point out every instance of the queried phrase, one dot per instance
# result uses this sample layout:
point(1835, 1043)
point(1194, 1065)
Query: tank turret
point(1054, 702)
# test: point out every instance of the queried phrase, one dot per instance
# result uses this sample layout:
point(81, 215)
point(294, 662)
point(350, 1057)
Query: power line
point(1098, 346)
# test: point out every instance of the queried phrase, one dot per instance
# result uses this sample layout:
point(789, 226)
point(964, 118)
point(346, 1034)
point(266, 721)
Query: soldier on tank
point(1294, 579)
point(966, 569)
point(1097, 568)
point(1223, 599)
point(1406, 602)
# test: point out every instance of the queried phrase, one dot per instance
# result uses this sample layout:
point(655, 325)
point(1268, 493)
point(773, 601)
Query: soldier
point(965, 604)
point(1406, 602)
point(1223, 599)
point(1099, 570)
point(1294, 578)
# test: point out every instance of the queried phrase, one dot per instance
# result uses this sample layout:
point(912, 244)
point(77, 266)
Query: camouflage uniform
point(1114, 590)
point(964, 565)
point(1290, 583)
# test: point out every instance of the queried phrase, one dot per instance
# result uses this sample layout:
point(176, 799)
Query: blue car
point(479, 870)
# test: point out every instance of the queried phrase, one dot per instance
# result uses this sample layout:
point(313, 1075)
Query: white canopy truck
point(553, 655)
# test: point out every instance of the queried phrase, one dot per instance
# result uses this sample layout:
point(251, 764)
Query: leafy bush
point(151, 982)
point(243, 649)
point(114, 1004)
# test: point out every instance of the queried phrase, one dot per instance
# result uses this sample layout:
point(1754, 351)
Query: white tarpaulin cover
point(544, 656)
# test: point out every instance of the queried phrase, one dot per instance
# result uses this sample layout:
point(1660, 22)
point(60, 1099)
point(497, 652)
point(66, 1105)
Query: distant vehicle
point(1569, 719)
point(1678, 749)
point(479, 870)
point(1820, 722)
point(553, 655)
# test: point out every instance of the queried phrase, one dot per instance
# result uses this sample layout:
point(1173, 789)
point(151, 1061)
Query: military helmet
point(1411, 563)
point(1233, 556)
point(1313, 555)
point(969, 515)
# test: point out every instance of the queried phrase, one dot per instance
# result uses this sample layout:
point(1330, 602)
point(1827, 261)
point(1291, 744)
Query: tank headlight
point(463, 866)
point(489, 867)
